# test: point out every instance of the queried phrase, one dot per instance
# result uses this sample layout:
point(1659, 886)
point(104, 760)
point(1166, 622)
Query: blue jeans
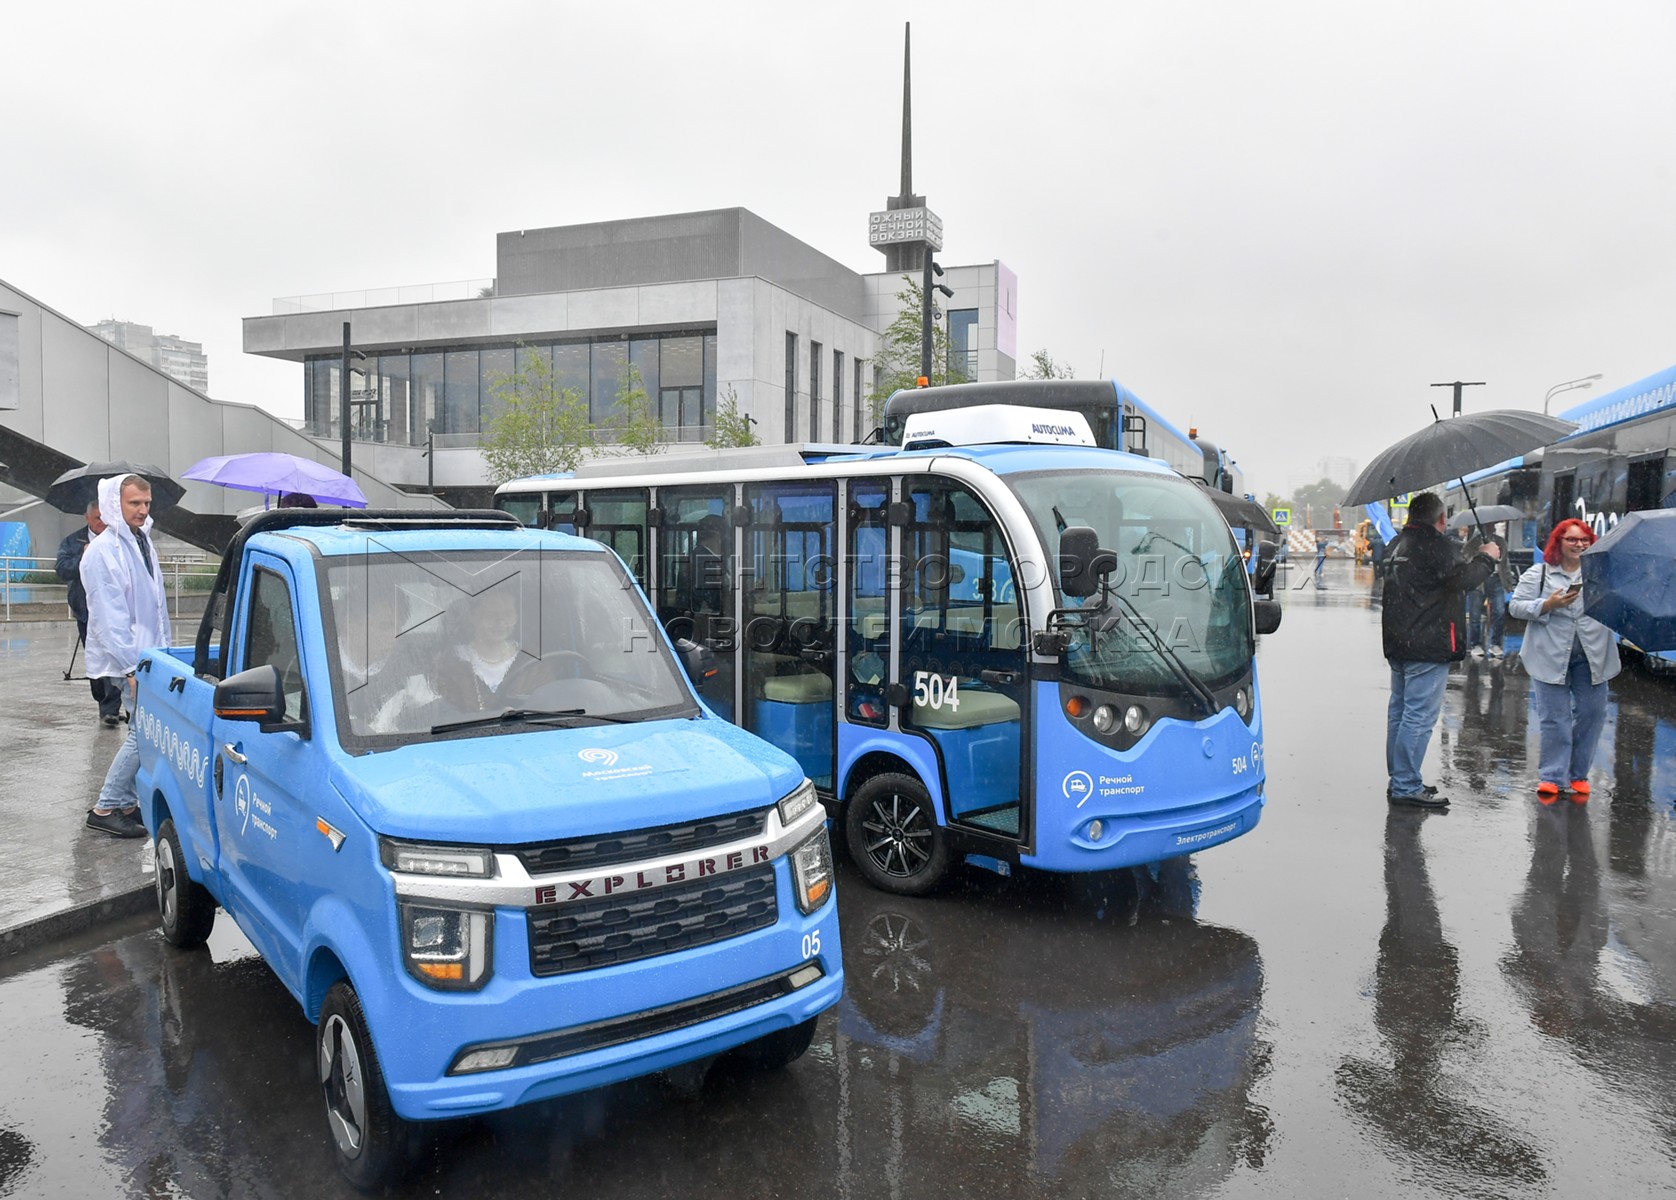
point(1494, 598)
point(1416, 700)
point(1570, 716)
point(118, 790)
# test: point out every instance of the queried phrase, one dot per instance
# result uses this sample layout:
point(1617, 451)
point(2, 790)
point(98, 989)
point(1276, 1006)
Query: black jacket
point(1424, 618)
point(68, 566)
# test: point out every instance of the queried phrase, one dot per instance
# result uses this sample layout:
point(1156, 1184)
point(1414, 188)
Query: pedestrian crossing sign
point(1282, 516)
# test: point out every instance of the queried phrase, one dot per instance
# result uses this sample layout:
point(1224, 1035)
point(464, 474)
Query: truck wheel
point(892, 832)
point(778, 1049)
point(371, 1140)
point(184, 906)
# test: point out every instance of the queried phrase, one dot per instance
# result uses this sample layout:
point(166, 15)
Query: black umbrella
point(1487, 514)
point(78, 487)
point(1628, 584)
point(1450, 449)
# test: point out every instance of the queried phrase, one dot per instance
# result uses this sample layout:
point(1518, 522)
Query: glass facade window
point(427, 395)
point(395, 398)
point(860, 400)
point(495, 367)
point(610, 371)
point(643, 354)
point(460, 393)
point(709, 383)
point(837, 395)
point(963, 345)
point(570, 367)
point(814, 391)
point(402, 397)
point(791, 387)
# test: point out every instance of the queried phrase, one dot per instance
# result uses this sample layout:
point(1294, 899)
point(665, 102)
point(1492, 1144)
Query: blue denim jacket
point(1546, 649)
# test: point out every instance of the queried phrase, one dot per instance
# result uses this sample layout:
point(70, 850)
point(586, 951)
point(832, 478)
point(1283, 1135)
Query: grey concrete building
point(700, 307)
point(174, 356)
point(69, 397)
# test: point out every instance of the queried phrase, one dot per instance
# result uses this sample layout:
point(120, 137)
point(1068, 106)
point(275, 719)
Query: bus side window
point(868, 635)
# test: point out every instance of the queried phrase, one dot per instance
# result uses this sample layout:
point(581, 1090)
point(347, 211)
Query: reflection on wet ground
point(1353, 1000)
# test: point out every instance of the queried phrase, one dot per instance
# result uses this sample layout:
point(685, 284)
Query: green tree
point(1318, 499)
point(1272, 502)
point(540, 427)
point(898, 358)
point(1042, 366)
point(634, 418)
point(732, 427)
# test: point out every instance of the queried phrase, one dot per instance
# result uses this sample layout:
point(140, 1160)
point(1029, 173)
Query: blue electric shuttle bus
point(994, 650)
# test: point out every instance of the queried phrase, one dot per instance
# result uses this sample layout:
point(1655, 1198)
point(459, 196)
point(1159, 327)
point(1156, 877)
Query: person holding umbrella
point(1569, 657)
point(127, 614)
point(68, 565)
point(1423, 625)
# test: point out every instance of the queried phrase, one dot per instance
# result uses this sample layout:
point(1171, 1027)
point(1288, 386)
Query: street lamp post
point(1588, 381)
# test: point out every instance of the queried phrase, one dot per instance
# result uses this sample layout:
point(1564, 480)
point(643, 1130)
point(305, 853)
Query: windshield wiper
point(1183, 672)
point(532, 716)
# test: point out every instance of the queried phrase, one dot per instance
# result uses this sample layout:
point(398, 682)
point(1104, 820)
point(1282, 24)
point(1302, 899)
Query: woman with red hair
point(1569, 658)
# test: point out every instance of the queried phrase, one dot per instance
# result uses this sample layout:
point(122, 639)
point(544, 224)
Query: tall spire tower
point(906, 231)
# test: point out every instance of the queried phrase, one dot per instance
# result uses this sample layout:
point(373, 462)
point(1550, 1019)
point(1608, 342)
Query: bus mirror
point(1082, 561)
point(1268, 614)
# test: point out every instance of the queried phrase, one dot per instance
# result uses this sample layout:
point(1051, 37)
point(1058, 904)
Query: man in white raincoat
point(127, 615)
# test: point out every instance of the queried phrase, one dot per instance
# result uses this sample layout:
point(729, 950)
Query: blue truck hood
point(549, 784)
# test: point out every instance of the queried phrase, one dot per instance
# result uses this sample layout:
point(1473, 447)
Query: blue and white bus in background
point(1117, 418)
point(989, 649)
point(1620, 459)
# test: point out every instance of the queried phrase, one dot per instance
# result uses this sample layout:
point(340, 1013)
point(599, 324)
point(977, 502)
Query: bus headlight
point(797, 803)
point(1105, 718)
point(447, 948)
point(1134, 719)
point(1242, 703)
point(811, 872)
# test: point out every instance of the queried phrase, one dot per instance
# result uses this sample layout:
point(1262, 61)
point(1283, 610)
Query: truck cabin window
point(460, 635)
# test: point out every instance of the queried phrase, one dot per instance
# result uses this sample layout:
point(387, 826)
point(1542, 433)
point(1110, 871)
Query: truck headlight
point(797, 803)
point(811, 871)
point(447, 948)
point(477, 862)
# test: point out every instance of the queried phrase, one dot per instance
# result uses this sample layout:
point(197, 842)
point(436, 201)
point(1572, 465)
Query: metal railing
point(30, 589)
point(417, 293)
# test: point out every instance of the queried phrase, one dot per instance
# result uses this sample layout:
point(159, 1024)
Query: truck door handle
point(233, 756)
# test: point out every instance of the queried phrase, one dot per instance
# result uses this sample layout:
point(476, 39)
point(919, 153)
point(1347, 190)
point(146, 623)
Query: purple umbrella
point(276, 474)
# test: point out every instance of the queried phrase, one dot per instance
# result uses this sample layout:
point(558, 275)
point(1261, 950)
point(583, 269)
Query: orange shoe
point(1547, 792)
point(1579, 791)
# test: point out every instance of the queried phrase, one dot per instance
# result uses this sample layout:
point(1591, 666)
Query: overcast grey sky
point(1280, 221)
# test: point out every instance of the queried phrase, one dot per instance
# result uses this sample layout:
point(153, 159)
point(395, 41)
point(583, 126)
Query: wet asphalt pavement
point(1353, 1000)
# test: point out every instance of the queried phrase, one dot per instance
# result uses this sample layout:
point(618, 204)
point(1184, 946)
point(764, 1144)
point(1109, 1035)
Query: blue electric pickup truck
point(452, 781)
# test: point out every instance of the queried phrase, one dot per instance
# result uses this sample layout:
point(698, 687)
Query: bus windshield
point(1177, 568)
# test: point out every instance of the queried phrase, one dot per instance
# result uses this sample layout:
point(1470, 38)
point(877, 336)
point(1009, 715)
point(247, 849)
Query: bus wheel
point(778, 1049)
point(893, 835)
point(372, 1142)
point(185, 907)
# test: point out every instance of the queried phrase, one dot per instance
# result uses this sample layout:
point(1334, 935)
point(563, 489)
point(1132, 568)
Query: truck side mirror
point(253, 695)
point(1082, 561)
point(699, 660)
point(1262, 579)
point(1268, 614)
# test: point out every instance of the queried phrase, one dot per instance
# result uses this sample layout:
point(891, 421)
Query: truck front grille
point(580, 854)
point(615, 930)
